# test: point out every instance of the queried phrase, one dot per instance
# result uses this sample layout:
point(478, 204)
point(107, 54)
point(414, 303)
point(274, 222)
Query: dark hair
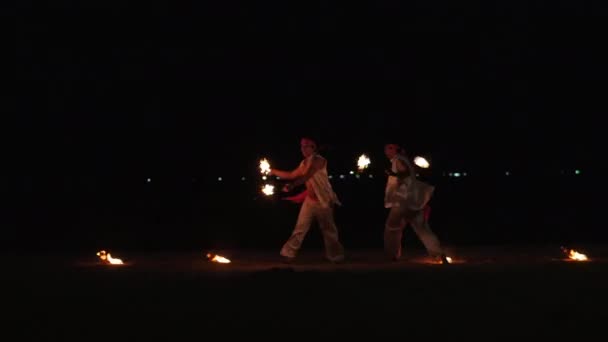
point(399, 148)
point(313, 140)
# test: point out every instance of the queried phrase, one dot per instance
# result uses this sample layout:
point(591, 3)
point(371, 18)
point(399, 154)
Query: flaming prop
point(574, 255)
point(421, 162)
point(363, 162)
point(107, 258)
point(268, 189)
point(264, 166)
point(217, 258)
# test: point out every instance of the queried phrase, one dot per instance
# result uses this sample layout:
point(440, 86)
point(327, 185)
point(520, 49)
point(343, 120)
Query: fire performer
point(318, 203)
point(407, 198)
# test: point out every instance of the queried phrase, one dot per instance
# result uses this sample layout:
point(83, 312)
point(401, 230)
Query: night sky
point(136, 121)
point(116, 88)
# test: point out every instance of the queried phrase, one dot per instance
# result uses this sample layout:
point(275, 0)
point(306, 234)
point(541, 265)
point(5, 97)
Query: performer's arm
point(402, 170)
point(308, 171)
point(289, 175)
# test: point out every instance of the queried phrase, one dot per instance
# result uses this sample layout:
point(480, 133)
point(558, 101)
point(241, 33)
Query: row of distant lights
point(330, 177)
point(450, 174)
point(507, 173)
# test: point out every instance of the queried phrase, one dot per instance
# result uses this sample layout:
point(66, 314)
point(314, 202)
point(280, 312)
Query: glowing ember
point(421, 162)
point(574, 255)
point(107, 258)
point(268, 189)
point(217, 258)
point(363, 162)
point(264, 166)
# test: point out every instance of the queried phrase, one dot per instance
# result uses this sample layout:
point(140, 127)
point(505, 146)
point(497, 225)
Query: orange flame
point(574, 255)
point(107, 258)
point(422, 162)
point(439, 261)
point(217, 258)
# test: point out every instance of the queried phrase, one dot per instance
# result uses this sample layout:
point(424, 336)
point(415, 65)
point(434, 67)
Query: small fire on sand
point(574, 255)
point(108, 259)
point(217, 258)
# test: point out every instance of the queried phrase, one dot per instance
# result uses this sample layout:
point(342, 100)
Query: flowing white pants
point(396, 222)
point(325, 217)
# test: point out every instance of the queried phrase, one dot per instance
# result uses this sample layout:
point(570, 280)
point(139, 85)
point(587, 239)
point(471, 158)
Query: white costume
point(322, 210)
point(406, 199)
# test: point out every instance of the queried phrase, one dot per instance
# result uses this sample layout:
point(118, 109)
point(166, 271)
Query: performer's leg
point(393, 232)
point(293, 244)
point(333, 248)
point(426, 235)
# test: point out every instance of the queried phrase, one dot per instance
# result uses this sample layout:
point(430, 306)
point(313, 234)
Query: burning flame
point(107, 258)
point(363, 162)
point(264, 166)
point(268, 189)
point(421, 162)
point(439, 260)
point(574, 255)
point(217, 258)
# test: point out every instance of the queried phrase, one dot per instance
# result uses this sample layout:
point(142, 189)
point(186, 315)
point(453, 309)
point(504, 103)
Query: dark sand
point(489, 292)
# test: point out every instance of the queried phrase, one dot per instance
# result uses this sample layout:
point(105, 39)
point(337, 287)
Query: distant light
point(457, 174)
point(149, 180)
point(242, 178)
point(352, 172)
point(264, 177)
point(331, 177)
point(450, 174)
point(219, 179)
point(357, 176)
point(371, 176)
point(341, 176)
point(578, 172)
point(278, 177)
point(507, 173)
point(464, 174)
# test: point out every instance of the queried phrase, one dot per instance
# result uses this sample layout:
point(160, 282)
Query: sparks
point(363, 162)
point(264, 166)
point(268, 189)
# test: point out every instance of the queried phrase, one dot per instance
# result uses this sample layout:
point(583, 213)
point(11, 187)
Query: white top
point(321, 185)
point(408, 192)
